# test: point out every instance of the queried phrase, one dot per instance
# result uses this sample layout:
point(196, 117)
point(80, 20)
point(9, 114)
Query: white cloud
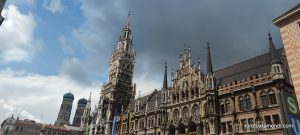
point(74, 69)
point(17, 36)
point(38, 97)
point(54, 6)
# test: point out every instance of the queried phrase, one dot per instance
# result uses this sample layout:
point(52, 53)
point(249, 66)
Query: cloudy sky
point(50, 47)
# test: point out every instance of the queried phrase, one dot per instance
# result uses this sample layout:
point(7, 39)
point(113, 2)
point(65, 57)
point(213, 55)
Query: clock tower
point(119, 90)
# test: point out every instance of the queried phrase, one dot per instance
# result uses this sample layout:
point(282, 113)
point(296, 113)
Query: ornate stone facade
point(197, 102)
point(119, 91)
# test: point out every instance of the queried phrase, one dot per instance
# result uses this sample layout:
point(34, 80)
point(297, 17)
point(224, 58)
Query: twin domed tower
point(81, 115)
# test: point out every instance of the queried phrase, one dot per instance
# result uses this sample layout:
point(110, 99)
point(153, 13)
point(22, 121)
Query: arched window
point(242, 104)
point(207, 128)
point(186, 93)
point(205, 109)
point(195, 110)
point(197, 91)
point(248, 102)
point(174, 97)
point(182, 94)
point(272, 97)
point(222, 107)
point(264, 99)
point(176, 114)
point(185, 112)
point(227, 106)
point(192, 92)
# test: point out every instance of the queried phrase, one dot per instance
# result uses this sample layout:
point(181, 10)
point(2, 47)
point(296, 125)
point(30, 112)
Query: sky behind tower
point(50, 47)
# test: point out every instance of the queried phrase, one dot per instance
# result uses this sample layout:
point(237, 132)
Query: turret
point(276, 63)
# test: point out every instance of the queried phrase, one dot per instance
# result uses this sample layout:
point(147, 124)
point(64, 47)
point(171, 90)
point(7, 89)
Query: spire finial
point(128, 20)
point(184, 49)
point(165, 83)
point(90, 98)
point(209, 64)
point(139, 94)
point(208, 45)
point(269, 34)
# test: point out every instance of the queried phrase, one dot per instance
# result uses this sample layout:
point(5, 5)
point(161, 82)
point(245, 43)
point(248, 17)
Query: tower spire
point(209, 64)
point(273, 54)
point(199, 68)
point(165, 84)
point(276, 63)
point(127, 24)
point(189, 56)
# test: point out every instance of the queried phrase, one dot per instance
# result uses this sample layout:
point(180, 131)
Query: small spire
point(180, 55)
point(90, 98)
point(127, 25)
point(189, 55)
point(275, 59)
point(199, 68)
point(139, 94)
point(184, 53)
point(209, 64)
point(165, 83)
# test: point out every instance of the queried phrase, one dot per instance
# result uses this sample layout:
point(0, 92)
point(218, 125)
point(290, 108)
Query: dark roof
point(242, 70)
point(82, 101)
point(287, 12)
point(69, 96)
point(151, 101)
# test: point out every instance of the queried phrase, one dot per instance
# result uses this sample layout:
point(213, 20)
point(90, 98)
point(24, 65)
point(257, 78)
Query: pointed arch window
point(176, 114)
point(248, 102)
point(205, 109)
point(207, 130)
point(195, 110)
point(272, 97)
point(242, 104)
point(186, 93)
point(264, 99)
point(197, 91)
point(192, 92)
point(227, 106)
point(185, 112)
point(222, 107)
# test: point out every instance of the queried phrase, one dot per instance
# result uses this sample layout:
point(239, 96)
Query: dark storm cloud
point(235, 29)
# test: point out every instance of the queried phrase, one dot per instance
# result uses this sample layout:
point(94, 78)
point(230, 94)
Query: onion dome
point(69, 96)
point(82, 101)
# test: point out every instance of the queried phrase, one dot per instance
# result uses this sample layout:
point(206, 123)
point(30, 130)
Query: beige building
point(12, 126)
point(289, 25)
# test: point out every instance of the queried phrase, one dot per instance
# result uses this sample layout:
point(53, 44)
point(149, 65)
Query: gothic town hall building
point(196, 102)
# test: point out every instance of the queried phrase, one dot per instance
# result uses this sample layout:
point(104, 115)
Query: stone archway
point(181, 129)
point(192, 128)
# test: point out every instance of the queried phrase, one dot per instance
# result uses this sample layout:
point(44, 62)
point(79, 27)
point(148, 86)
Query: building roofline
point(284, 16)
